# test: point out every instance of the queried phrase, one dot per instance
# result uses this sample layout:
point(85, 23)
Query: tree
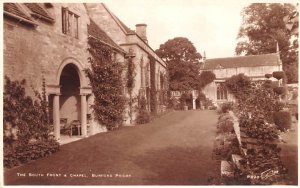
point(183, 63)
point(206, 77)
point(262, 28)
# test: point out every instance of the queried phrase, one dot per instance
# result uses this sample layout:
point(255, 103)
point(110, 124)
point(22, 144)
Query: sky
point(212, 26)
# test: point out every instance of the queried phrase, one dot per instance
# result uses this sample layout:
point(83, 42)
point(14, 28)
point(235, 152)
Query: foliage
point(253, 98)
point(182, 61)
point(238, 84)
point(256, 105)
point(105, 77)
point(23, 113)
point(225, 126)
point(259, 129)
point(269, 84)
point(268, 75)
point(262, 28)
point(130, 84)
point(153, 98)
point(206, 77)
point(184, 99)
point(201, 96)
point(279, 90)
point(283, 120)
point(226, 107)
point(143, 115)
point(25, 119)
point(130, 75)
point(259, 161)
point(23, 153)
point(278, 74)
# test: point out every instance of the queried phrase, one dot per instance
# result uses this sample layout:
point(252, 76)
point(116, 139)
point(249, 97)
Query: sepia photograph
point(150, 92)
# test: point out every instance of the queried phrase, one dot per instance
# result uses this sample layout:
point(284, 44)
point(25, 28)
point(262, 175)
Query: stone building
point(253, 66)
point(47, 41)
point(143, 56)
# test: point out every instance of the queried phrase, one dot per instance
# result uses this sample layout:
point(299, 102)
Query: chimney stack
point(141, 31)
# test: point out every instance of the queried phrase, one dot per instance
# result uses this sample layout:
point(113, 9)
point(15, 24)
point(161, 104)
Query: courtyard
point(175, 149)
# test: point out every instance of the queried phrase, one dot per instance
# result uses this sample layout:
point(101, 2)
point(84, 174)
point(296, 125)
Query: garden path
point(175, 149)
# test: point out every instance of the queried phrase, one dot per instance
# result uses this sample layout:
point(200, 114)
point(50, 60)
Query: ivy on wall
point(105, 77)
point(153, 99)
point(130, 84)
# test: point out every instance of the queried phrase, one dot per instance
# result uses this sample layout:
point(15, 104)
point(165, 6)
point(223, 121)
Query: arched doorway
point(69, 100)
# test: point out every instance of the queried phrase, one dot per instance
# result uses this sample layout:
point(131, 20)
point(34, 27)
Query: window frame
point(70, 23)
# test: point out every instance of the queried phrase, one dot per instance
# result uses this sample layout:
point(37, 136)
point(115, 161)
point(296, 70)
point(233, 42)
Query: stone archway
point(68, 97)
point(69, 101)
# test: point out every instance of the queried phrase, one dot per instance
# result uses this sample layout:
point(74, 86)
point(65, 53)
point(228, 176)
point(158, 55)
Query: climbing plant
point(153, 98)
point(105, 76)
point(130, 84)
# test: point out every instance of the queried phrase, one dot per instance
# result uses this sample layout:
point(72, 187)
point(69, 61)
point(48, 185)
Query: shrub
point(24, 119)
point(23, 153)
point(183, 99)
point(238, 85)
point(224, 117)
point(269, 84)
point(225, 126)
point(279, 90)
point(143, 117)
point(283, 120)
point(268, 76)
point(278, 75)
point(201, 96)
point(226, 107)
point(206, 77)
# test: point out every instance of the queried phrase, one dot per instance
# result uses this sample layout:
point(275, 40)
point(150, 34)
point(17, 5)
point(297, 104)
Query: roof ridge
point(270, 59)
point(123, 27)
point(241, 56)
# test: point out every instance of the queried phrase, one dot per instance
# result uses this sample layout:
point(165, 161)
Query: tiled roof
point(12, 8)
point(242, 61)
point(95, 31)
point(37, 9)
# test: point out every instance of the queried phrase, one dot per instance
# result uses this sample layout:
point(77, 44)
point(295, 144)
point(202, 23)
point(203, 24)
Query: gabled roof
point(11, 9)
point(126, 29)
point(95, 31)
point(37, 10)
point(243, 61)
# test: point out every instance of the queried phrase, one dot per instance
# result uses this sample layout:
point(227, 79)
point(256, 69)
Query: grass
point(175, 149)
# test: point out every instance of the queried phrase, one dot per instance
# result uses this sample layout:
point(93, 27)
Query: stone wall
point(32, 53)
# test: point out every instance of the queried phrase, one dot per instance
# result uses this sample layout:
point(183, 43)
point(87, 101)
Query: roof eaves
point(105, 43)
point(35, 11)
point(20, 18)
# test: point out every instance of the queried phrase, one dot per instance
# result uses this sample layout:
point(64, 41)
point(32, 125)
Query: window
point(69, 23)
point(221, 92)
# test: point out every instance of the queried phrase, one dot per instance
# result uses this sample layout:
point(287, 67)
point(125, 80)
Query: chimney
point(141, 31)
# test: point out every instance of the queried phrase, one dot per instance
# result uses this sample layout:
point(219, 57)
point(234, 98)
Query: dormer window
point(69, 23)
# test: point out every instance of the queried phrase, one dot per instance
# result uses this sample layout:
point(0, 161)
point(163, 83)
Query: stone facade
point(36, 48)
point(255, 67)
point(135, 42)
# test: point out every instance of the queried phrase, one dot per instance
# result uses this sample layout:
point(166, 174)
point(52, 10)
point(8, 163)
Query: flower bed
point(254, 125)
